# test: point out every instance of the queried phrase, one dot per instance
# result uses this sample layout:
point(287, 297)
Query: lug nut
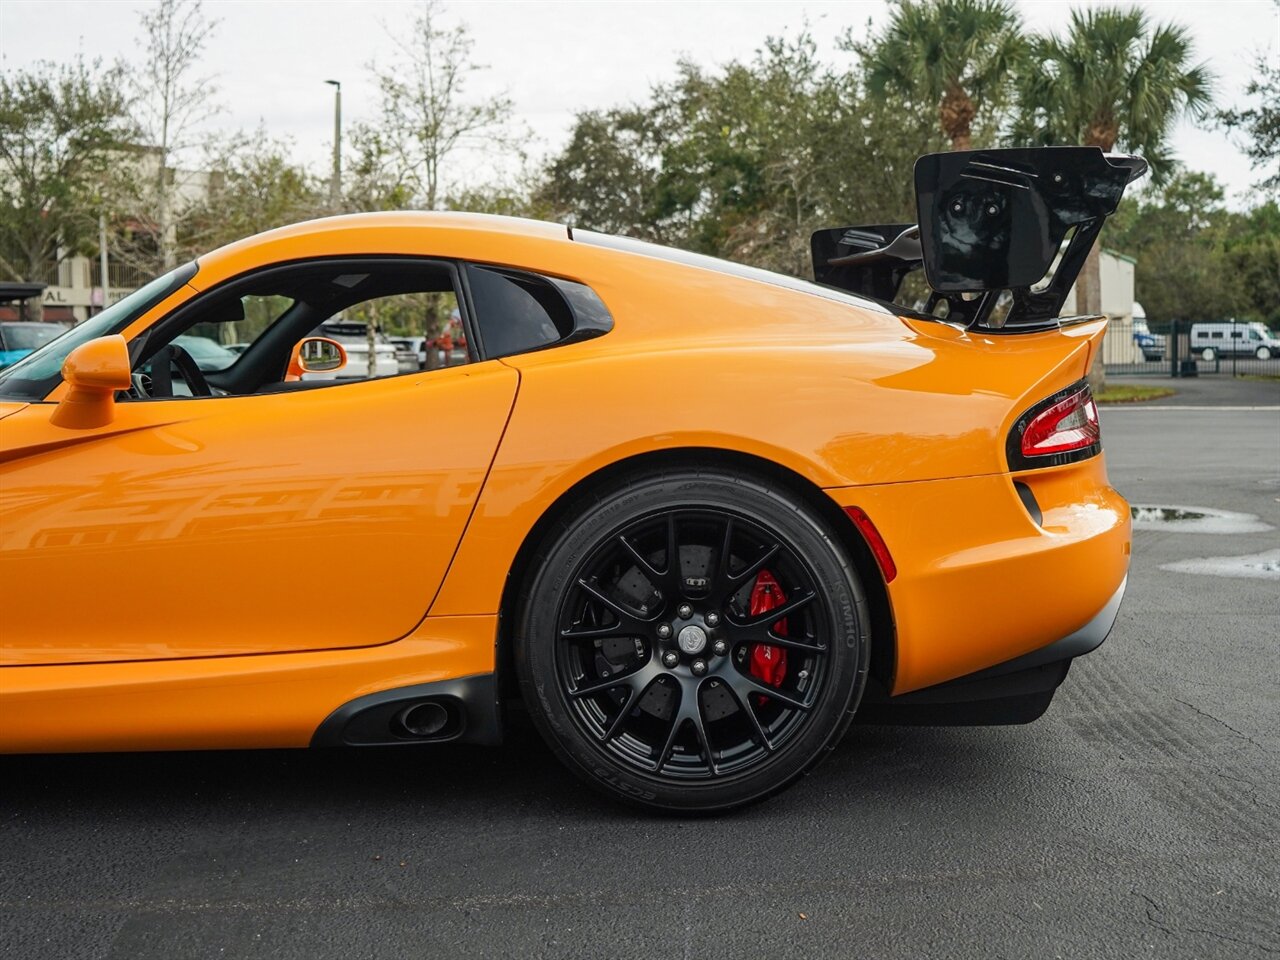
point(664, 630)
point(713, 618)
point(670, 658)
point(685, 611)
point(720, 647)
point(699, 667)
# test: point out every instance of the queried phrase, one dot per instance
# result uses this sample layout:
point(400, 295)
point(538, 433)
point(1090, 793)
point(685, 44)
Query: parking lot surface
point(1138, 818)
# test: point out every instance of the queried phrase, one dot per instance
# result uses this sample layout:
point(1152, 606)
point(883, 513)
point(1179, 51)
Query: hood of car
point(9, 407)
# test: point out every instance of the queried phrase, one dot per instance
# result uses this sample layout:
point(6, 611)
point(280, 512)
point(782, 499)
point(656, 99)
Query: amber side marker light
point(874, 541)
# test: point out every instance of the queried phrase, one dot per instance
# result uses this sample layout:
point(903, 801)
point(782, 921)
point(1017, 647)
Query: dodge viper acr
point(695, 515)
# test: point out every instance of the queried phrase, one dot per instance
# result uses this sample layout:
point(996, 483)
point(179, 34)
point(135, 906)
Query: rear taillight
point(1060, 429)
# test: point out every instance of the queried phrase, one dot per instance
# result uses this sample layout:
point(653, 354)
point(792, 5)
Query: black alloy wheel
point(692, 641)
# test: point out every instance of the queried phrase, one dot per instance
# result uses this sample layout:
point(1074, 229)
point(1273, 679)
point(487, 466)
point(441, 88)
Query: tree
point(172, 103)
point(954, 56)
point(1261, 123)
point(1179, 232)
point(745, 160)
point(1111, 80)
point(59, 125)
point(426, 117)
point(252, 185)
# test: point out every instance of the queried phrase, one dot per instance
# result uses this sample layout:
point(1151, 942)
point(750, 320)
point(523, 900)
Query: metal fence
point(1191, 349)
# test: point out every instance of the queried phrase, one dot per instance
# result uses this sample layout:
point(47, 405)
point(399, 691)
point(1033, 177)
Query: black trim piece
point(472, 703)
point(589, 317)
point(1016, 691)
point(1028, 498)
point(1013, 442)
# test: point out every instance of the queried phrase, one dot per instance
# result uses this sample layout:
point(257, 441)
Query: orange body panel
point(367, 490)
point(199, 528)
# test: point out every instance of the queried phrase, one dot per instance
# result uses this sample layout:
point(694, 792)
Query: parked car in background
point(237, 348)
point(409, 353)
point(1232, 339)
point(1151, 344)
point(20, 337)
point(354, 337)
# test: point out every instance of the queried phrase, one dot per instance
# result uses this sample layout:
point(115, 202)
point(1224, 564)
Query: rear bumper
point(981, 581)
point(1017, 691)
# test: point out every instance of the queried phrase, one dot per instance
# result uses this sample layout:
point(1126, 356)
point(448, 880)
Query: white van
point(1234, 340)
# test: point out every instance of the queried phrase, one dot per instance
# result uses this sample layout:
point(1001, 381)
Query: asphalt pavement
point(1138, 818)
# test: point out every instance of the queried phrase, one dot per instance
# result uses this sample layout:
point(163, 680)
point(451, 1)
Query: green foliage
point(743, 162)
point(253, 185)
point(1193, 255)
point(59, 128)
point(1112, 80)
point(955, 57)
point(1260, 123)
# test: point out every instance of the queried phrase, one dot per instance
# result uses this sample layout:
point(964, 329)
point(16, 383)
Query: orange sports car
point(695, 515)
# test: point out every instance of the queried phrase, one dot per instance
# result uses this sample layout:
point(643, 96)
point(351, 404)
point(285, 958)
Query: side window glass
point(517, 312)
point(390, 316)
point(411, 331)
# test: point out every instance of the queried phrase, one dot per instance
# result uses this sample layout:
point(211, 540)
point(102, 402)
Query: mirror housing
point(315, 355)
point(93, 372)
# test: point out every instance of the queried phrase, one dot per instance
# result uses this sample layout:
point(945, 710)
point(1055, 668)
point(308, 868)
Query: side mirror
point(315, 355)
point(93, 372)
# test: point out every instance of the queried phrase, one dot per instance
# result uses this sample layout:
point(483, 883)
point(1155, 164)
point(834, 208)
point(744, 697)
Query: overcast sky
point(269, 58)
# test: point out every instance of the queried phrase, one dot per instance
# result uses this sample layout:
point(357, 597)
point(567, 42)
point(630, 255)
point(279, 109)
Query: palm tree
point(957, 56)
point(1113, 79)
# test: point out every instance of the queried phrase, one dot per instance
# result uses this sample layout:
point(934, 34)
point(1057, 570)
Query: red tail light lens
point(1060, 429)
point(1068, 425)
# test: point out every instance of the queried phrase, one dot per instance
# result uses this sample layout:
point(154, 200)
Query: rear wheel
point(692, 641)
point(1207, 354)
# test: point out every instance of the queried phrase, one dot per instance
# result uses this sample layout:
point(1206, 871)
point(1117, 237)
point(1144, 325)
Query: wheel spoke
point(743, 701)
point(745, 684)
point(593, 633)
point(694, 712)
point(756, 565)
point(655, 576)
point(625, 614)
point(642, 675)
point(726, 554)
point(639, 683)
point(677, 722)
point(765, 635)
point(770, 617)
point(672, 574)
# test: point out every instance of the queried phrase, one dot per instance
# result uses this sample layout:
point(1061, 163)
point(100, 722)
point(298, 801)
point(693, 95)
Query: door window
point(237, 339)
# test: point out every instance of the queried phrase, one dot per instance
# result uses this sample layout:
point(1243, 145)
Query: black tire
point(732, 739)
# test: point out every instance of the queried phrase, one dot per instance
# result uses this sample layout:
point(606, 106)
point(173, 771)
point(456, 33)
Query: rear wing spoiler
point(990, 221)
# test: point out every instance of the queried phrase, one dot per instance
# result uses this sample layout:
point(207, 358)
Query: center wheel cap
point(692, 639)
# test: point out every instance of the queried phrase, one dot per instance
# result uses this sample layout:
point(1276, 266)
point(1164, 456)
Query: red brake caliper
point(768, 663)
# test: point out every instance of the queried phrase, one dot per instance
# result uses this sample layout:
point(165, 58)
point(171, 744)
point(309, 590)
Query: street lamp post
point(335, 182)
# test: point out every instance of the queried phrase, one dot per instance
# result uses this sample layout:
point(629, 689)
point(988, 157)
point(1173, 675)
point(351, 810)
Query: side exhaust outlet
point(423, 720)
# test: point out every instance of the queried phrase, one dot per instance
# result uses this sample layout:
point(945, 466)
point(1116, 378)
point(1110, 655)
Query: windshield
point(32, 377)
